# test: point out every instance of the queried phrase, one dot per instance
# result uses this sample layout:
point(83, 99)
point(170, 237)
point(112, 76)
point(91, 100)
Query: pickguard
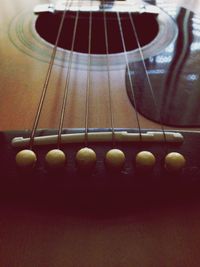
point(171, 96)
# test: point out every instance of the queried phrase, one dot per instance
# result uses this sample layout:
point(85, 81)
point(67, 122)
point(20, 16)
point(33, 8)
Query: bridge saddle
point(99, 137)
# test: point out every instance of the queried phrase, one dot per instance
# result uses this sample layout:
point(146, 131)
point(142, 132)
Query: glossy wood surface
point(23, 76)
point(164, 236)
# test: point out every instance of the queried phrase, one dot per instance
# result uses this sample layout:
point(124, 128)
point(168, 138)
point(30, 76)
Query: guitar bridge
point(102, 187)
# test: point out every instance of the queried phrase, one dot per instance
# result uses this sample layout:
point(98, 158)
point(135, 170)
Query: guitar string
point(129, 73)
point(47, 78)
point(88, 77)
point(49, 3)
point(147, 75)
point(67, 83)
point(108, 73)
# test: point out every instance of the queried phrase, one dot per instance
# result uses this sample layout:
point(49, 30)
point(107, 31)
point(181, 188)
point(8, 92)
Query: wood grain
point(154, 238)
point(23, 73)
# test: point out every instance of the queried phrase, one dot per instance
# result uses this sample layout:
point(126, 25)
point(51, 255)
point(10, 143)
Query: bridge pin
point(115, 159)
point(55, 158)
point(26, 159)
point(174, 162)
point(86, 159)
point(145, 160)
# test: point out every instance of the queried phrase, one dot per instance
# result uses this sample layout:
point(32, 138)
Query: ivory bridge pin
point(174, 162)
point(55, 158)
point(86, 159)
point(145, 160)
point(115, 159)
point(26, 159)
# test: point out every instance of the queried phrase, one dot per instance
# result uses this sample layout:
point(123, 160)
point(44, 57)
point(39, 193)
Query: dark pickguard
point(101, 187)
point(174, 77)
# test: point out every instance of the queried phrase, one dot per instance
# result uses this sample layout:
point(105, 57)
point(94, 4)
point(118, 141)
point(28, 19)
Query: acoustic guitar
point(99, 113)
point(96, 100)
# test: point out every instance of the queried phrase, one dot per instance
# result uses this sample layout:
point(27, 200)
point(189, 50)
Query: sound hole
point(47, 25)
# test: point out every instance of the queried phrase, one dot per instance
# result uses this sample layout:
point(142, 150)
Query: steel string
point(66, 88)
point(109, 80)
point(147, 75)
point(47, 78)
point(129, 73)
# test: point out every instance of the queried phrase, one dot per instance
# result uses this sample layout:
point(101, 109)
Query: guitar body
point(69, 218)
point(132, 87)
point(29, 55)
